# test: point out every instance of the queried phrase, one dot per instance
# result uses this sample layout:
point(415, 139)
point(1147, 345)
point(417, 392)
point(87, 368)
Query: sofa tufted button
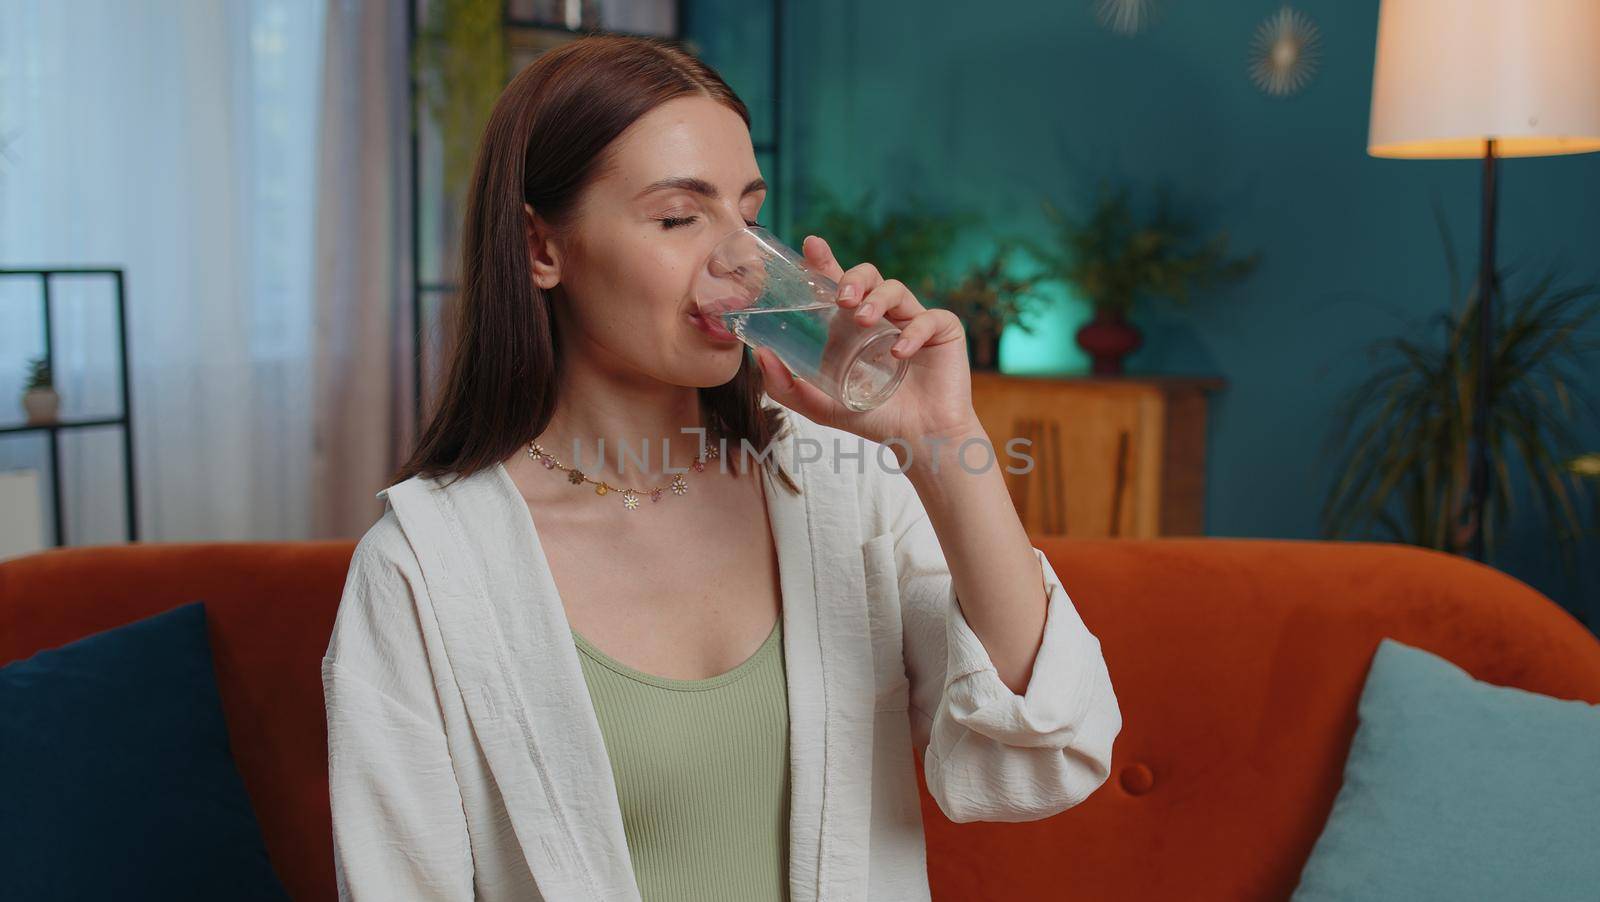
point(1136, 779)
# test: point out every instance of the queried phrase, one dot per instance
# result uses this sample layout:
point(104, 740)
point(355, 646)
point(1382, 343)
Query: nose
point(722, 268)
point(733, 275)
point(736, 256)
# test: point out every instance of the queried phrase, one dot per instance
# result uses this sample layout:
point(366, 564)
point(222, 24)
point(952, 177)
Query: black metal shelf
point(52, 431)
point(64, 425)
point(65, 271)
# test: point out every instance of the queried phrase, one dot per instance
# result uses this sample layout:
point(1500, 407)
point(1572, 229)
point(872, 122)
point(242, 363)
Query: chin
point(719, 367)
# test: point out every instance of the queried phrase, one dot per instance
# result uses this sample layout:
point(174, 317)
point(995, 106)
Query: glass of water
point(768, 295)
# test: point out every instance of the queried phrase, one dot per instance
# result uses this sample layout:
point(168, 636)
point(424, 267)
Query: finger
point(931, 327)
point(857, 282)
point(819, 254)
point(890, 300)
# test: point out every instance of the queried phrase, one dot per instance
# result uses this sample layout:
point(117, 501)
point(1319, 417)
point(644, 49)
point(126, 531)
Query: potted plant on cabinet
point(913, 244)
point(39, 396)
point(910, 243)
point(987, 300)
point(1114, 260)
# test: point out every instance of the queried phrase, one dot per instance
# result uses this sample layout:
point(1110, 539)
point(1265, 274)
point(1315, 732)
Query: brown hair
point(545, 141)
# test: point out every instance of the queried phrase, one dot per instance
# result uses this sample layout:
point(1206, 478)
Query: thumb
point(779, 381)
point(820, 254)
point(796, 394)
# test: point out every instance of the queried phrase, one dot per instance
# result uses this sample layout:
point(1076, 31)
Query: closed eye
point(672, 222)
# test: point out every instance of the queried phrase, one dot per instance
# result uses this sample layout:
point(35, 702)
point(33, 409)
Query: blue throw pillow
point(1459, 789)
point(116, 778)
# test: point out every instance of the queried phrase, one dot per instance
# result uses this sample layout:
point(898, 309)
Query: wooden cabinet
point(1112, 456)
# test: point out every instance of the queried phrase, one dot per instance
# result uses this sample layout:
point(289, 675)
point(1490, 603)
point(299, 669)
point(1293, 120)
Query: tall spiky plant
point(1405, 431)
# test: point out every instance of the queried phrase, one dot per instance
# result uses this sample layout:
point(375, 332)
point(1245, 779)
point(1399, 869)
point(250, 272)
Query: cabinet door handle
point(1058, 482)
point(1119, 482)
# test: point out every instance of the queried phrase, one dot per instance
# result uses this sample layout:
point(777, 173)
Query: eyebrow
point(699, 186)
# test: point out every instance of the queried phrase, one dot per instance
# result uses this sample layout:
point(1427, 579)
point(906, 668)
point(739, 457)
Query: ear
point(543, 258)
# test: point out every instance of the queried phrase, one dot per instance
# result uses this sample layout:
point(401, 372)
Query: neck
point(633, 417)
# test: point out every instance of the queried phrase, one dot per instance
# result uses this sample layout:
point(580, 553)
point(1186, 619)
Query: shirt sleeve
point(990, 754)
point(399, 831)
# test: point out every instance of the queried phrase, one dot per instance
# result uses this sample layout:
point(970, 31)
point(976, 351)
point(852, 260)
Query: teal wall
point(995, 106)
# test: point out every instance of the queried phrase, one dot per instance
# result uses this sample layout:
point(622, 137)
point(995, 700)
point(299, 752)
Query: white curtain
point(182, 142)
point(363, 346)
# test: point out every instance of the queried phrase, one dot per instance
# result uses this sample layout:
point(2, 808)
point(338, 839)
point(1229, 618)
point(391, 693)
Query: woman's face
point(681, 177)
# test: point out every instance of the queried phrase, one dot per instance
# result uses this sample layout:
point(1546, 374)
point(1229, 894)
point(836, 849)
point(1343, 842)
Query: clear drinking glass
point(768, 295)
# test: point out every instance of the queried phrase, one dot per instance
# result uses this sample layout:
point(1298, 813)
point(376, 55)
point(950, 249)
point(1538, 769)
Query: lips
point(707, 315)
point(712, 328)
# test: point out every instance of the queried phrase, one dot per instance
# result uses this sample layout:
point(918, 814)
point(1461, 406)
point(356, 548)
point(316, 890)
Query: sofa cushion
point(116, 773)
point(1459, 789)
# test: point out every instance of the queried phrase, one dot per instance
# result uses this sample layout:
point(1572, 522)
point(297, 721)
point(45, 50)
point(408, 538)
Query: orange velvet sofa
point(1237, 662)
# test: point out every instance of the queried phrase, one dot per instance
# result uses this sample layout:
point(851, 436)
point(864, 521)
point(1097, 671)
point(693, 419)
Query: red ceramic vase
point(1107, 339)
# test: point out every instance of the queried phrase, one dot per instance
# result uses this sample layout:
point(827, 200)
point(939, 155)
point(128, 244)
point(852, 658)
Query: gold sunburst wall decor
point(1125, 16)
point(1285, 52)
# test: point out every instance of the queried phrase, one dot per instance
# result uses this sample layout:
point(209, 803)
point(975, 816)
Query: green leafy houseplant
point(911, 244)
point(914, 244)
point(1114, 259)
point(987, 299)
point(460, 64)
point(1406, 429)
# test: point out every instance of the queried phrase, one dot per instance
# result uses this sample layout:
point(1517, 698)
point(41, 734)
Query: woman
point(622, 679)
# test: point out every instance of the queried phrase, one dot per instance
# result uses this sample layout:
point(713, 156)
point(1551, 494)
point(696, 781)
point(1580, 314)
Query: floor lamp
point(1485, 79)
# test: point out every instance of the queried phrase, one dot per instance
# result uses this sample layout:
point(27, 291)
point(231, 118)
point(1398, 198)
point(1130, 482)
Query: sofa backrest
point(1237, 664)
point(269, 613)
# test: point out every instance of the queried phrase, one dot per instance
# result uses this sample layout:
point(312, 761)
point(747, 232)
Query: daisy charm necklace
point(630, 497)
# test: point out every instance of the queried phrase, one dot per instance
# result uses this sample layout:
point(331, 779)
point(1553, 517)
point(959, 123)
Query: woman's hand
point(935, 398)
point(996, 574)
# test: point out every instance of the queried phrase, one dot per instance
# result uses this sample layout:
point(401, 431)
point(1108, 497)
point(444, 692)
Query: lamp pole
point(1484, 79)
point(1488, 284)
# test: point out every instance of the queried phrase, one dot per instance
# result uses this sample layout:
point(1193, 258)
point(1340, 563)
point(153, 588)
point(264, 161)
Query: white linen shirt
point(465, 759)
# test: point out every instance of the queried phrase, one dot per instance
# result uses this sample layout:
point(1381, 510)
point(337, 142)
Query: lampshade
point(1450, 74)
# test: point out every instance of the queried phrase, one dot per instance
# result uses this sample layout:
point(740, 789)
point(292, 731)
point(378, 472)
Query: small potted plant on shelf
point(39, 396)
point(1115, 260)
point(987, 299)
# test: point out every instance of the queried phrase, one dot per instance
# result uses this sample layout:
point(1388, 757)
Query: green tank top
point(702, 774)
